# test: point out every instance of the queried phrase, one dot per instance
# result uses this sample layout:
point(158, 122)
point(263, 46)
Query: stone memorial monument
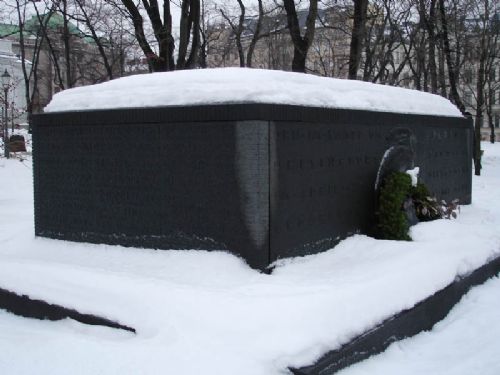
point(264, 180)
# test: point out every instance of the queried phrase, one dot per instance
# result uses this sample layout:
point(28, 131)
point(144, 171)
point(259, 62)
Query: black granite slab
point(422, 317)
point(262, 181)
point(25, 306)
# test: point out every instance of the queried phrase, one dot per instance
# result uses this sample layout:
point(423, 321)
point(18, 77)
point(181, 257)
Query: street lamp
point(5, 85)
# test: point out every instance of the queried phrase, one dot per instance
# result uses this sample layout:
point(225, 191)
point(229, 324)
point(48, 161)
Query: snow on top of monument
point(239, 85)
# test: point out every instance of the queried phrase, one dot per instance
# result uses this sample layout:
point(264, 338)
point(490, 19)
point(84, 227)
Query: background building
point(59, 56)
point(16, 93)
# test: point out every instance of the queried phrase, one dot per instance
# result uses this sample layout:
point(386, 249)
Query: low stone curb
point(422, 317)
point(23, 305)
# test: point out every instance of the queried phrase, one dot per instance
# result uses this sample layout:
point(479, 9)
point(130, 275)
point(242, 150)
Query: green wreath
point(397, 196)
point(392, 223)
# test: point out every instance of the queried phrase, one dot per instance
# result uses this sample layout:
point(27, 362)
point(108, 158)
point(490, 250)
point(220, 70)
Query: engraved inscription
point(445, 159)
point(323, 134)
point(327, 162)
point(251, 187)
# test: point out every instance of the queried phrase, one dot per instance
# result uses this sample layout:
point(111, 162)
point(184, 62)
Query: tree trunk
point(432, 47)
point(163, 34)
point(256, 35)
point(194, 55)
point(164, 60)
point(489, 105)
point(483, 55)
point(429, 22)
point(447, 52)
point(240, 31)
point(492, 127)
point(442, 75)
point(237, 30)
point(66, 41)
point(477, 143)
point(42, 20)
point(357, 37)
point(299, 58)
point(184, 34)
point(138, 22)
point(27, 95)
point(300, 44)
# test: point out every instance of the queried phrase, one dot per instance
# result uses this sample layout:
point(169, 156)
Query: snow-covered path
point(208, 312)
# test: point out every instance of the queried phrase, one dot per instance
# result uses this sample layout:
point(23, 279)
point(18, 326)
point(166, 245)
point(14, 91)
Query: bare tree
point(452, 72)
point(63, 9)
point(257, 33)
point(90, 14)
point(190, 25)
point(384, 57)
point(301, 43)
point(30, 69)
point(492, 78)
point(28, 72)
point(162, 58)
point(246, 30)
point(237, 29)
point(427, 13)
point(486, 38)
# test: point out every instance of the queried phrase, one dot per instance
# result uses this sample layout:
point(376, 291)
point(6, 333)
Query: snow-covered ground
point(200, 312)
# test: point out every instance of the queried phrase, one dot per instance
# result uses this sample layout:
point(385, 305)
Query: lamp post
point(5, 85)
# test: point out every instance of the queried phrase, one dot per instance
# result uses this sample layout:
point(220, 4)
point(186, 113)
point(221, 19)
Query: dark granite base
point(421, 317)
point(261, 181)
